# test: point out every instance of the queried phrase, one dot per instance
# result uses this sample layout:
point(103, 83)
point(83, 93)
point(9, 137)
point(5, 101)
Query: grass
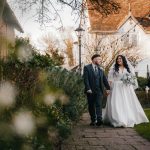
point(144, 128)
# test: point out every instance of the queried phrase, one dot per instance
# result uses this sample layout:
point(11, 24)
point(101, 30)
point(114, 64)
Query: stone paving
point(85, 137)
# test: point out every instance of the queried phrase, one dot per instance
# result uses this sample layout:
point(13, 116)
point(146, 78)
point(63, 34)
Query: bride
point(123, 108)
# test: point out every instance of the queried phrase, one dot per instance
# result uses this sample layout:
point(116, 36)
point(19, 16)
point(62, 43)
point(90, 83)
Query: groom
point(95, 80)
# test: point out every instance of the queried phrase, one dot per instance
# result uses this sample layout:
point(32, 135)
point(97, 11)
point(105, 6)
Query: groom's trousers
point(95, 106)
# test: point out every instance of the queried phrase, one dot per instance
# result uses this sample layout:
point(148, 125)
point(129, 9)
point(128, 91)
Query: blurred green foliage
point(35, 78)
point(142, 83)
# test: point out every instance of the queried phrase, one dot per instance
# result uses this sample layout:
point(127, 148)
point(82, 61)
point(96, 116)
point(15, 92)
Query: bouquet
point(129, 79)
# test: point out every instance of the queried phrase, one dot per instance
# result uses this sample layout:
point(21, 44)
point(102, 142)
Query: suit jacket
point(89, 79)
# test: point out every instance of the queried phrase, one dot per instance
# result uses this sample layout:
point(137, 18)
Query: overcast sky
point(35, 31)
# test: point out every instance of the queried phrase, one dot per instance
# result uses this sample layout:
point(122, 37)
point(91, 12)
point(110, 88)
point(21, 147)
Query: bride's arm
point(110, 78)
point(110, 83)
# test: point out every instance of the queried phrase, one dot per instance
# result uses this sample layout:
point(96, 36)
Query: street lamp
point(79, 31)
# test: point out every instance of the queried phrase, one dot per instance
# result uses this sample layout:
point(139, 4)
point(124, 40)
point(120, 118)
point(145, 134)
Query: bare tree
point(48, 10)
point(52, 48)
point(67, 38)
point(49, 41)
point(109, 52)
point(63, 43)
point(134, 56)
point(69, 50)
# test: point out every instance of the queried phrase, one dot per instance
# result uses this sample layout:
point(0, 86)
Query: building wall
point(141, 37)
point(137, 37)
point(7, 37)
point(143, 40)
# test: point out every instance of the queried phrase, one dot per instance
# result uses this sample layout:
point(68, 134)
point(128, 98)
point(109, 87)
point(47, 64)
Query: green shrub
point(142, 83)
point(143, 98)
point(72, 85)
point(35, 79)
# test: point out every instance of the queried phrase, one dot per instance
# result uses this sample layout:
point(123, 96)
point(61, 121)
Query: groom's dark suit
point(95, 81)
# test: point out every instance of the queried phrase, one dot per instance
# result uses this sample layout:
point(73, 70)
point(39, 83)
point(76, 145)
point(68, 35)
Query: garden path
point(85, 137)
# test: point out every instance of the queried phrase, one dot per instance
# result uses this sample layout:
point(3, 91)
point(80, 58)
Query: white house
point(130, 26)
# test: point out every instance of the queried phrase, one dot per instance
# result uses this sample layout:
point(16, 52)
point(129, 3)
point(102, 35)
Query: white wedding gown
point(123, 107)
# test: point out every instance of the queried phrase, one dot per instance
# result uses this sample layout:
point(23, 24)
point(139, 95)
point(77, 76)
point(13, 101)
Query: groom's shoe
point(99, 123)
point(92, 123)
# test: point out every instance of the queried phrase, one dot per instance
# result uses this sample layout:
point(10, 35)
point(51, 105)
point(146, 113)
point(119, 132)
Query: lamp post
point(79, 31)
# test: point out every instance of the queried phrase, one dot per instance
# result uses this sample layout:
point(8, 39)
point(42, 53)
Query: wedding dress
point(123, 108)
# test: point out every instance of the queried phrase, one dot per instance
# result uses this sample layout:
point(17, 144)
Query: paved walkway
point(85, 137)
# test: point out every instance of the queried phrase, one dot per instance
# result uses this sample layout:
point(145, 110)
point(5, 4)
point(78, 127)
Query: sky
point(35, 31)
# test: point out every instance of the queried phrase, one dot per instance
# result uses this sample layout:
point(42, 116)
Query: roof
point(111, 23)
point(10, 18)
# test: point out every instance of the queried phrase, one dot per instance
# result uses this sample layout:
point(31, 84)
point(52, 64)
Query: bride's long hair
point(116, 67)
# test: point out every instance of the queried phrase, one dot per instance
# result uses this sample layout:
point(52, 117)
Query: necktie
point(96, 70)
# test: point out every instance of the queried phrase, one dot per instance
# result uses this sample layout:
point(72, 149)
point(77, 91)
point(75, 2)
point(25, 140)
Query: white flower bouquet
point(129, 79)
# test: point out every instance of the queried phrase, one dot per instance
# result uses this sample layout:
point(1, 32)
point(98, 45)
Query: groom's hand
point(107, 92)
point(89, 91)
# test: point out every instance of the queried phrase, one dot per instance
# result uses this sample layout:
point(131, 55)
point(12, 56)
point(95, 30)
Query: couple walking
point(122, 108)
